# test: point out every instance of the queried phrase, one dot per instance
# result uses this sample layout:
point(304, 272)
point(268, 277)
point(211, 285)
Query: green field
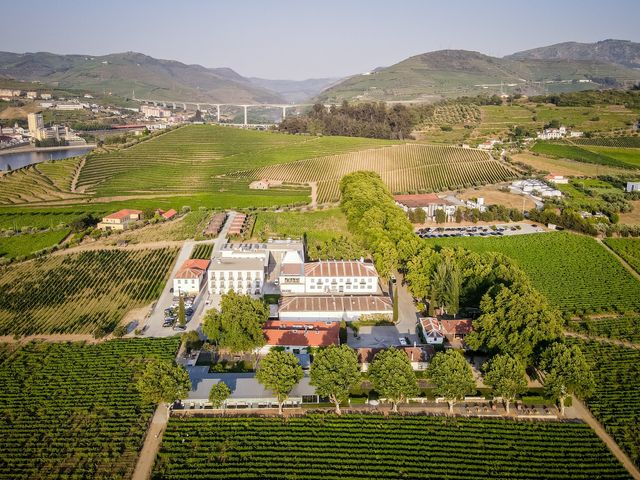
point(71, 410)
point(26, 243)
point(318, 225)
point(616, 400)
point(86, 292)
point(202, 251)
point(372, 446)
point(574, 272)
point(629, 156)
point(579, 154)
point(626, 327)
point(620, 142)
point(627, 248)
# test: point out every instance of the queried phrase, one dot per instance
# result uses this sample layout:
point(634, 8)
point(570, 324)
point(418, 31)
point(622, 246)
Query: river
point(22, 159)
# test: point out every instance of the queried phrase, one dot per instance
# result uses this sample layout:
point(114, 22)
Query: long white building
point(244, 276)
point(326, 277)
point(333, 308)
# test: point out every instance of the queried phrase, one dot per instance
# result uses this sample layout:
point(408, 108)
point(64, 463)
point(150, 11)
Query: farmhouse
point(168, 215)
point(298, 337)
point(456, 329)
point(264, 184)
point(120, 220)
point(335, 277)
point(429, 202)
point(332, 308)
point(246, 391)
point(191, 276)
point(432, 330)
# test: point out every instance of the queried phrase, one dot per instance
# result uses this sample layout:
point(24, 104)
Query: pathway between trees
point(151, 444)
point(584, 413)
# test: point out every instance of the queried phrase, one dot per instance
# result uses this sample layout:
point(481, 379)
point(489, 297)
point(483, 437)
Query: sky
point(298, 39)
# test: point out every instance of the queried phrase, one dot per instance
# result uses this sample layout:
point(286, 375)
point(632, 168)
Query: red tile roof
point(122, 214)
point(339, 268)
point(415, 354)
point(421, 200)
point(312, 334)
point(461, 326)
point(169, 214)
point(192, 268)
point(364, 303)
point(432, 327)
point(291, 269)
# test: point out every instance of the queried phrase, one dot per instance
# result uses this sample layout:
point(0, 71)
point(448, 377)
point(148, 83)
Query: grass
point(629, 156)
point(80, 293)
point(319, 225)
point(577, 153)
point(562, 166)
point(27, 243)
point(187, 227)
point(71, 410)
point(575, 273)
point(374, 446)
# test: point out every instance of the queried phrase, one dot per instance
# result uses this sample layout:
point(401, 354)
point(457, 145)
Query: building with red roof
point(418, 356)
point(168, 215)
point(297, 337)
point(190, 277)
point(428, 202)
point(120, 220)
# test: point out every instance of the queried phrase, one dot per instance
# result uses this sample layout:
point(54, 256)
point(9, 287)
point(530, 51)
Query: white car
point(403, 341)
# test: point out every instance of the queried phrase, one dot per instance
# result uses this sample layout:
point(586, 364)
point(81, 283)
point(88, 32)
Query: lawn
point(373, 446)
point(26, 243)
point(575, 272)
point(71, 410)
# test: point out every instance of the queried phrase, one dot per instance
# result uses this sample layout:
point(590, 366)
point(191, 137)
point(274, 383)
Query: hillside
point(295, 91)
point(451, 73)
point(121, 73)
point(620, 52)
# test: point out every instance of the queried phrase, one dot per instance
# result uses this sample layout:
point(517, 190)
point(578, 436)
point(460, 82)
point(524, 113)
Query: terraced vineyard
point(330, 447)
point(404, 168)
point(621, 142)
point(202, 251)
point(627, 248)
point(86, 292)
point(573, 271)
point(189, 160)
point(616, 400)
point(626, 327)
point(72, 410)
point(456, 114)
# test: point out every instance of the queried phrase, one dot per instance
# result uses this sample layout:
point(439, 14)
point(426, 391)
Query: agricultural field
point(333, 447)
point(619, 142)
point(629, 156)
point(24, 244)
point(563, 166)
point(580, 154)
point(404, 168)
point(626, 327)
point(627, 248)
point(17, 219)
point(616, 400)
point(574, 272)
point(182, 228)
point(80, 293)
point(202, 251)
point(71, 410)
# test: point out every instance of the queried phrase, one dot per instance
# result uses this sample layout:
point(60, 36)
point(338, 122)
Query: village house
point(432, 330)
point(633, 187)
point(244, 276)
point(558, 179)
point(190, 279)
point(120, 220)
point(297, 338)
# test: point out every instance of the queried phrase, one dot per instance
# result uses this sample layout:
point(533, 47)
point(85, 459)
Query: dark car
point(167, 322)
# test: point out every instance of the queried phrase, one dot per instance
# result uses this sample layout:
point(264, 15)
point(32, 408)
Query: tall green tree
point(567, 373)
point(218, 394)
point(507, 376)
point(182, 319)
point(441, 216)
point(452, 376)
point(163, 382)
point(279, 372)
point(237, 327)
point(515, 320)
point(393, 377)
point(334, 372)
point(446, 285)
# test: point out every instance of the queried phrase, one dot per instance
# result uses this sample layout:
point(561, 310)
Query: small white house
point(190, 278)
point(432, 331)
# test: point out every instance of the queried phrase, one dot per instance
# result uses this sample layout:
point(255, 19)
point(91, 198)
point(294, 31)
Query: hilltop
point(452, 73)
point(121, 73)
point(619, 52)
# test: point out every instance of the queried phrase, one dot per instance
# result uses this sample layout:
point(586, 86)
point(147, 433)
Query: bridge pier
point(284, 112)
point(184, 107)
point(218, 112)
point(174, 105)
point(198, 106)
point(245, 114)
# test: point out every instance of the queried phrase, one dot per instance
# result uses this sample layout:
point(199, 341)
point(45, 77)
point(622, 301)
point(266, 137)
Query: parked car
point(179, 328)
point(167, 322)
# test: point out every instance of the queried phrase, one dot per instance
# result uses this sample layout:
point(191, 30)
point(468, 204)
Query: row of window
point(362, 281)
point(237, 275)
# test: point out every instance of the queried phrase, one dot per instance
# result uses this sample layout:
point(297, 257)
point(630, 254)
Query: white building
point(244, 276)
point(432, 331)
point(333, 308)
point(552, 133)
point(559, 179)
point(8, 92)
point(153, 111)
point(46, 96)
point(428, 202)
point(71, 106)
point(535, 187)
point(633, 187)
point(190, 279)
point(35, 122)
point(32, 95)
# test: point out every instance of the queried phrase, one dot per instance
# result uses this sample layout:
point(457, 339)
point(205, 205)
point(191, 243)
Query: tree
point(392, 375)
point(441, 216)
point(446, 284)
point(395, 304)
point(333, 372)
point(163, 382)
point(507, 376)
point(515, 320)
point(238, 325)
point(181, 312)
point(567, 373)
point(218, 394)
point(459, 215)
point(420, 216)
point(279, 372)
point(452, 376)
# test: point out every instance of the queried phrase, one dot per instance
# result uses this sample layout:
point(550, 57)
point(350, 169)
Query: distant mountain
point(453, 73)
point(620, 52)
point(121, 73)
point(295, 91)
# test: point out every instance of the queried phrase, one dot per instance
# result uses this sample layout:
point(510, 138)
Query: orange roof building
point(120, 219)
point(294, 335)
point(190, 277)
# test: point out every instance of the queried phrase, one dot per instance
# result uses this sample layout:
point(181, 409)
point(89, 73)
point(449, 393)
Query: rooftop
point(460, 326)
point(364, 303)
point(125, 213)
point(339, 268)
point(420, 200)
point(415, 354)
point(231, 264)
point(192, 268)
point(312, 334)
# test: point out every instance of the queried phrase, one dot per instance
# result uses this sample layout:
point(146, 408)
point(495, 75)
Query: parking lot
point(497, 230)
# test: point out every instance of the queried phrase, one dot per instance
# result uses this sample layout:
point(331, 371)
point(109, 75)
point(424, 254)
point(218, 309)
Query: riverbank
point(30, 149)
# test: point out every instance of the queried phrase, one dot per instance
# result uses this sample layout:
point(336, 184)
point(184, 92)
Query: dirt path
point(76, 174)
point(136, 246)
point(613, 341)
point(584, 413)
point(53, 338)
point(314, 195)
point(151, 444)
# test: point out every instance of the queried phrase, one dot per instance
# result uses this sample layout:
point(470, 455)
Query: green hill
point(452, 73)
